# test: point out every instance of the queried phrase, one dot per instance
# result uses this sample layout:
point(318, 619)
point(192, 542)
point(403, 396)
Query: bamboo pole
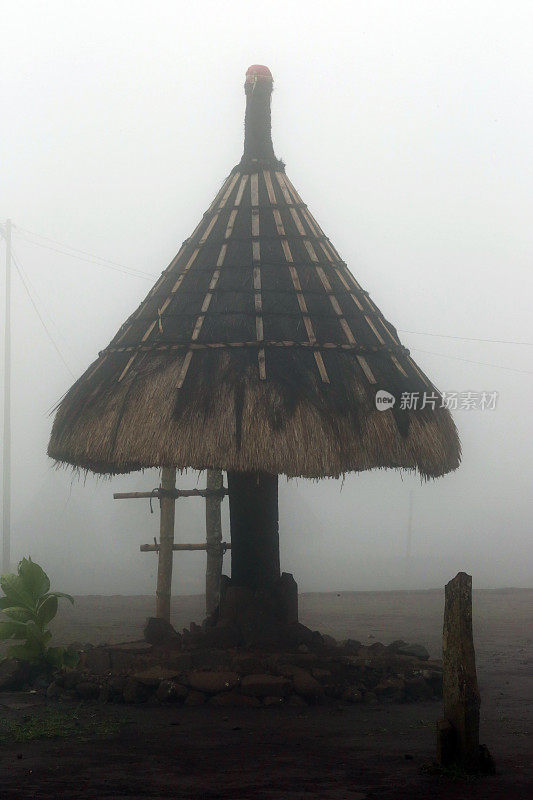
point(175, 493)
point(166, 538)
point(213, 530)
point(154, 548)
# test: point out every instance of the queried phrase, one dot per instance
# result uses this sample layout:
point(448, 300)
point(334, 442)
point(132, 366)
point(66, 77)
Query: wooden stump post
point(213, 531)
point(166, 541)
point(458, 733)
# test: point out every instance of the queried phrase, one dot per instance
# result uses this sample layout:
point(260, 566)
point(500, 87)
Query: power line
point(38, 299)
point(469, 361)
point(83, 255)
point(83, 252)
point(467, 338)
point(98, 263)
point(43, 323)
point(90, 261)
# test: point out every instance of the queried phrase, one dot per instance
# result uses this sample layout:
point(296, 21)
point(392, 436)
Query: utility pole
point(409, 535)
point(6, 472)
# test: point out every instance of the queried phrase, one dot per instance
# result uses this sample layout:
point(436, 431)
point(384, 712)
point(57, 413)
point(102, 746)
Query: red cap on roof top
point(258, 71)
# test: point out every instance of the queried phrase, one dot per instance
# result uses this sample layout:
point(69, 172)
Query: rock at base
point(13, 674)
point(446, 743)
point(129, 656)
point(158, 631)
point(87, 690)
point(351, 646)
point(54, 691)
point(234, 700)
point(171, 692)
point(287, 598)
point(247, 664)
point(154, 675)
point(391, 689)
point(261, 617)
point(352, 695)
point(269, 702)
point(416, 688)
point(296, 701)
point(415, 650)
point(307, 686)
point(105, 695)
point(195, 698)
point(134, 691)
point(96, 660)
point(265, 686)
point(70, 679)
point(212, 682)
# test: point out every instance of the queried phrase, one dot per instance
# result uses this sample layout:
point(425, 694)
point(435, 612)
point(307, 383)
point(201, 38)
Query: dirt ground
point(316, 753)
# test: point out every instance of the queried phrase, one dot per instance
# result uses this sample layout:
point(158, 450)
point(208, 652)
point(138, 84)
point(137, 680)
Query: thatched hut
point(256, 352)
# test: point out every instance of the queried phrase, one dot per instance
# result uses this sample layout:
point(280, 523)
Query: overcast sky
point(406, 127)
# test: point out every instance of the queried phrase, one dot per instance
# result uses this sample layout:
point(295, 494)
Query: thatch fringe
point(235, 421)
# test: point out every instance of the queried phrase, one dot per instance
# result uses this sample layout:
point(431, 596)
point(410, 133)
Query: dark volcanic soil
point(295, 753)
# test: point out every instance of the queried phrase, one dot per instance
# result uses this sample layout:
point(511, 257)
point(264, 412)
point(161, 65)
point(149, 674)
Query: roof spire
point(257, 126)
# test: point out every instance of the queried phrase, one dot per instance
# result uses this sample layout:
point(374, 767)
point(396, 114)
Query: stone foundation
point(251, 651)
point(189, 669)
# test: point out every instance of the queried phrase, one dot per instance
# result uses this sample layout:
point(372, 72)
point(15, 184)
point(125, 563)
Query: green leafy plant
point(30, 606)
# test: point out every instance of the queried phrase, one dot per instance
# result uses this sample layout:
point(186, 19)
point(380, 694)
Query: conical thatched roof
point(256, 349)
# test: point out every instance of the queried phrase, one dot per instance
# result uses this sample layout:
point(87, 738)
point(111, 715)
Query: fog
point(405, 126)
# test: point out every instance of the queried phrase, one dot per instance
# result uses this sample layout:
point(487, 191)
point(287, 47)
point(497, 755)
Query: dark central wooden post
point(253, 506)
point(213, 536)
